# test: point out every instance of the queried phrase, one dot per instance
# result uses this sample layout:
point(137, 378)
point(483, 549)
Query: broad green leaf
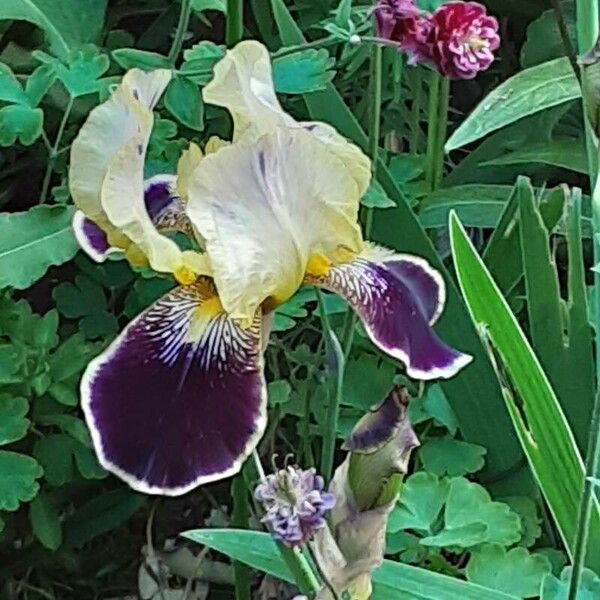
point(514, 571)
point(200, 5)
point(303, 72)
point(475, 395)
point(21, 123)
point(526, 93)
point(565, 153)
point(542, 427)
point(558, 589)
point(67, 23)
point(422, 497)
point(13, 424)
point(10, 88)
point(45, 523)
point(446, 456)
point(469, 504)
point(476, 205)
point(392, 581)
point(527, 509)
point(32, 241)
point(183, 101)
point(130, 58)
point(18, 474)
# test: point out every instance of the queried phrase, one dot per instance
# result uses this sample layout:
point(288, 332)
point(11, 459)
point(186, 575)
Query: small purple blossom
point(295, 504)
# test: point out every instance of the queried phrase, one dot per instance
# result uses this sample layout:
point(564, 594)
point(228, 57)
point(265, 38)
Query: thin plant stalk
point(54, 152)
point(587, 501)
point(239, 520)
point(564, 35)
point(432, 130)
point(234, 28)
point(442, 130)
point(306, 579)
point(415, 120)
point(182, 26)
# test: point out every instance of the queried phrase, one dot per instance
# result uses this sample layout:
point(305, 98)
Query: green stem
point(234, 29)
point(415, 121)
point(239, 520)
point(304, 576)
point(442, 130)
point(432, 130)
point(592, 461)
point(565, 36)
point(335, 355)
point(322, 43)
point(182, 25)
point(54, 152)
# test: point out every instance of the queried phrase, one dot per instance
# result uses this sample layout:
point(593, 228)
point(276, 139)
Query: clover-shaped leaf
point(18, 474)
point(200, 60)
point(468, 504)
point(183, 101)
point(303, 72)
point(45, 522)
point(526, 508)
point(19, 122)
point(13, 424)
point(10, 88)
point(447, 456)
point(515, 572)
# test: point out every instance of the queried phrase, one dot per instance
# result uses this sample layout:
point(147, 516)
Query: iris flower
point(179, 398)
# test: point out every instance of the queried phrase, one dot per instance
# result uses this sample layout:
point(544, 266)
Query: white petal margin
point(85, 238)
point(162, 443)
point(243, 84)
point(263, 209)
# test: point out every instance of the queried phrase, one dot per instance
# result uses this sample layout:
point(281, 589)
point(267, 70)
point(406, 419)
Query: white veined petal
point(264, 208)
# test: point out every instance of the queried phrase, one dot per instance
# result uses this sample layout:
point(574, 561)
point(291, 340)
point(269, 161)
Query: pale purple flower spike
point(295, 504)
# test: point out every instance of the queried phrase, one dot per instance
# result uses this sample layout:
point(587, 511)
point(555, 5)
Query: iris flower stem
point(54, 152)
point(442, 130)
point(239, 520)
point(234, 29)
point(321, 43)
point(306, 579)
point(588, 27)
point(182, 25)
point(415, 121)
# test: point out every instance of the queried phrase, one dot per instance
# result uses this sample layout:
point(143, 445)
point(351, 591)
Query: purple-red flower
point(458, 39)
point(462, 39)
point(296, 504)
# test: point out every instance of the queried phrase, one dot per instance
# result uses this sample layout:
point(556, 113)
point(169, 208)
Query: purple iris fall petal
point(178, 399)
point(398, 298)
point(91, 238)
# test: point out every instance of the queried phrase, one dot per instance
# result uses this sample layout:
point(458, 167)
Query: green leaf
point(567, 153)
point(183, 101)
point(13, 424)
point(422, 497)
point(201, 5)
point(54, 453)
point(367, 381)
point(469, 504)
point(130, 58)
point(32, 241)
point(446, 456)
point(81, 75)
point(71, 357)
point(476, 205)
point(526, 93)
point(45, 523)
point(10, 88)
point(18, 474)
point(67, 23)
point(514, 571)
point(542, 427)
point(475, 395)
point(303, 72)
point(558, 589)
point(375, 197)
point(39, 82)
point(392, 581)
point(526, 508)
point(200, 60)
point(11, 359)
point(20, 122)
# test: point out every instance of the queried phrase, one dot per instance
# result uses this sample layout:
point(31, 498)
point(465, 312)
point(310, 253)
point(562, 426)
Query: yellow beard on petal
point(210, 308)
point(185, 275)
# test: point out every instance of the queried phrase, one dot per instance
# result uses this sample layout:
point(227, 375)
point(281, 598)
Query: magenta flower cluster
point(458, 39)
point(295, 504)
